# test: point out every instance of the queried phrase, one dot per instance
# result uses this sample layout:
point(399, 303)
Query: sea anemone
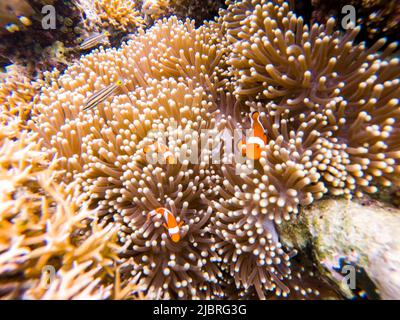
point(172, 270)
point(312, 69)
point(27, 42)
point(330, 111)
point(103, 150)
point(170, 49)
point(125, 188)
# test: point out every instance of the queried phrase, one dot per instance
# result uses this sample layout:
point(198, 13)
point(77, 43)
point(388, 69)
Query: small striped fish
point(101, 95)
point(94, 40)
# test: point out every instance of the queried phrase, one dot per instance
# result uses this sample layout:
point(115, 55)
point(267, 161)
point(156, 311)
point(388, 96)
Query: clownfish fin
point(257, 126)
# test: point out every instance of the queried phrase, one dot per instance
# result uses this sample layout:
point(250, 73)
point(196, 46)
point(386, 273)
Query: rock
point(346, 236)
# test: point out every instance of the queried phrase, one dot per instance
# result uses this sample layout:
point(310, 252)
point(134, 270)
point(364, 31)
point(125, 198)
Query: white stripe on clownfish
point(256, 140)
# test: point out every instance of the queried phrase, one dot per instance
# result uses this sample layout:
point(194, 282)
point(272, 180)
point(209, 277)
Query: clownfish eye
point(119, 82)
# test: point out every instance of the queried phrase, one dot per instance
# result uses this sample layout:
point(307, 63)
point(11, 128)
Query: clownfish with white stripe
point(163, 149)
point(252, 146)
point(170, 223)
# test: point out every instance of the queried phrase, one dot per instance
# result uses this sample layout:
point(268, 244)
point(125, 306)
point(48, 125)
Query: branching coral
point(155, 8)
point(43, 225)
point(16, 93)
point(121, 15)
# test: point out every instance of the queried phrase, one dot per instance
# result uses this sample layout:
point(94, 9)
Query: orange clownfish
point(252, 146)
point(163, 149)
point(170, 223)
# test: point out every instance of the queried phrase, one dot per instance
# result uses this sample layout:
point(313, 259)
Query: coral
point(155, 9)
point(360, 235)
point(44, 225)
point(16, 94)
point(75, 284)
point(173, 86)
point(121, 15)
point(197, 10)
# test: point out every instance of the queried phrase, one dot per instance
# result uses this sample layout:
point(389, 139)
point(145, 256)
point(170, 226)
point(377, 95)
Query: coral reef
point(32, 45)
point(16, 93)
point(25, 41)
point(309, 73)
point(43, 225)
point(114, 174)
point(155, 9)
point(330, 110)
point(185, 103)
